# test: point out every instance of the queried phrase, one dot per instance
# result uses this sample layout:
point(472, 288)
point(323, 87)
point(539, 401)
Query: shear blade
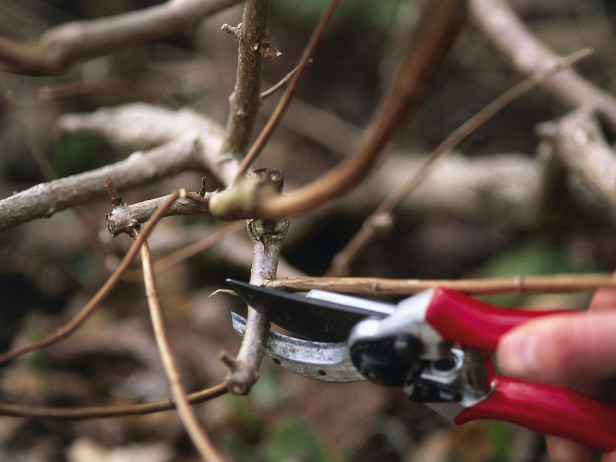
point(310, 318)
point(328, 362)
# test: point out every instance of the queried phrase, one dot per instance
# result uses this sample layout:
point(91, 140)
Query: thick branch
point(286, 98)
point(245, 99)
point(45, 199)
point(143, 126)
point(578, 142)
point(511, 37)
point(68, 43)
point(267, 237)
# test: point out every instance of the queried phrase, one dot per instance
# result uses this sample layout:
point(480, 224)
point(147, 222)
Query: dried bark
point(68, 43)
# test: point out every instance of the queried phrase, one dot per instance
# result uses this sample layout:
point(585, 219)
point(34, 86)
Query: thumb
point(574, 348)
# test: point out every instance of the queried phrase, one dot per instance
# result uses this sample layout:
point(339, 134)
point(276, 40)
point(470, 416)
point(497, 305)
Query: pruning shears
point(435, 345)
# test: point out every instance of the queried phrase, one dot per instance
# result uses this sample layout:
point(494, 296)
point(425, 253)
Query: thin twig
point(282, 82)
point(440, 24)
point(105, 412)
point(195, 430)
point(381, 219)
point(287, 96)
point(68, 43)
point(70, 327)
point(176, 257)
point(498, 285)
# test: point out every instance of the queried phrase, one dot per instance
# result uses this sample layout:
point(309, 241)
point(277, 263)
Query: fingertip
point(517, 353)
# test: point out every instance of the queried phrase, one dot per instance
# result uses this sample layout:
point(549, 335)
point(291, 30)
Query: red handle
point(548, 409)
point(460, 318)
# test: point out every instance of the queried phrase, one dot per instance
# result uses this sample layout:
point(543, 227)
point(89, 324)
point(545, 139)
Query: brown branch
point(244, 102)
point(105, 412)
point(122, 89)
point(287, 96)
point(68, 43)
point(440, 25)
point(282, 82)
point(198, 436)
point(82, 316)
point(498, 285)
point(380, 221)
point(500, 25)
point(576, 139)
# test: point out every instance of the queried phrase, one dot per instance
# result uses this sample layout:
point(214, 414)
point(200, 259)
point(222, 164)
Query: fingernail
point(517, 354)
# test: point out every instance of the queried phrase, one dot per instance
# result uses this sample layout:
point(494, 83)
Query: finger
point(611, 457)
point(562, 450)
point(603, 299)
point(561, 349)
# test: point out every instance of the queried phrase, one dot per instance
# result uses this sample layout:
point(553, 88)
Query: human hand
point(576, 350)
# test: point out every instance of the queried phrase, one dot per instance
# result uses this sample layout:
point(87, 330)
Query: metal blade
point(328, 362)
point(328, 318)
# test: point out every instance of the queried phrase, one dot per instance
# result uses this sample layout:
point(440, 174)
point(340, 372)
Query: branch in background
point(122, 89)
point(48, 171)
point(380, 221)
point(138, 126)
point(500, 187)
point(514, 284)
point(576, 139)
point(440, 25)
point(245, 100)
point(500, 25)
point(68, 43)
point(142, 126)
point(205, 448)
point(287, 96)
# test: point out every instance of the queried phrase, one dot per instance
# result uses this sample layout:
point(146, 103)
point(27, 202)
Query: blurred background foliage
point(49, 268)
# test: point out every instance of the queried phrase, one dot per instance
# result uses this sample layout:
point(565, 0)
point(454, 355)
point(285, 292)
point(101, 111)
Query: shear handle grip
point(472, 323)
point(547, 409)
